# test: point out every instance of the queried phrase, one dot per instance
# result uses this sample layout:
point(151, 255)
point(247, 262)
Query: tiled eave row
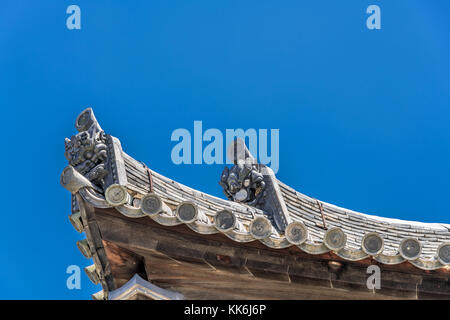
point(356, 225)
point(173, 194)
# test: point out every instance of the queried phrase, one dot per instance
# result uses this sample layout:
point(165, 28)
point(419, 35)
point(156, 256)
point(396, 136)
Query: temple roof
point(302, 209)
point(116, 180)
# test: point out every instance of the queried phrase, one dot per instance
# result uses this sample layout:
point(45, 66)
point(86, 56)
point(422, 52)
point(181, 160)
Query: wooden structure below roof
point(145, 247)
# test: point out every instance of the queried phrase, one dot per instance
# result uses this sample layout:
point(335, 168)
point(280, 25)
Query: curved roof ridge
point(393, 221)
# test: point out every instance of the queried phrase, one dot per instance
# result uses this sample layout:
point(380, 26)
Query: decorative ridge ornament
point(443, 253)
point(296, 233)
point(151, 204)
point(243, 182)
point(117, 195)
point(335, 239)
point(87, 150)
point(73, 181)
point(260, 228)
point(410, 248)
point(226, 221)
point(188, 212)
point(253, 184)
point(372, 243)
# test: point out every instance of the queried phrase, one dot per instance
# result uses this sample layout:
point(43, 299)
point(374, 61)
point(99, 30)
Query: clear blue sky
point(363, 114)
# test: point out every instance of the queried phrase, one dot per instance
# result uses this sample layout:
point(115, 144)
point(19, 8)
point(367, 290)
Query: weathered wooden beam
point(94, 240)
point(217, 254)
point(123, 263)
